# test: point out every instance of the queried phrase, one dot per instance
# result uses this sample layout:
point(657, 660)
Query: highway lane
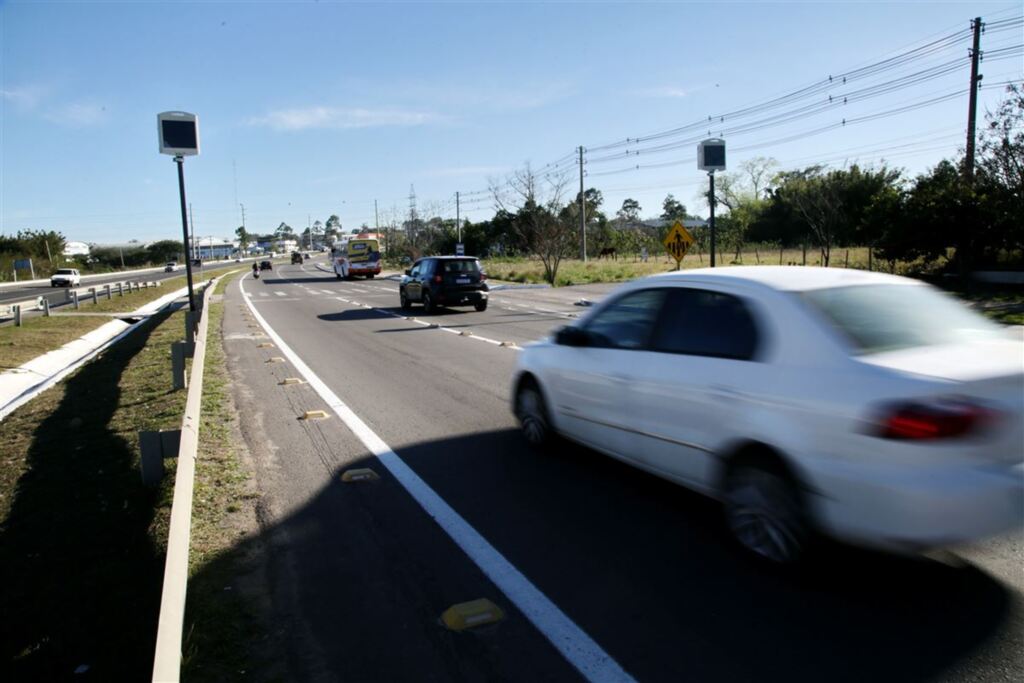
point(642, 566)
point(57, 295)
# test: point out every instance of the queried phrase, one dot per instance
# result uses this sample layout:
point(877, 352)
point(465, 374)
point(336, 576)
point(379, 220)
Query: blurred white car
point(66, 277)
point(170, 266)
point(873, 408)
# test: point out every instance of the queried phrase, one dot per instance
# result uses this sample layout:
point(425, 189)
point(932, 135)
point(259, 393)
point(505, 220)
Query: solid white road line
point(568, 638)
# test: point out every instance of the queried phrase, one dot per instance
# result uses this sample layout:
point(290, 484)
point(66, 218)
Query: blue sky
point(308, 109)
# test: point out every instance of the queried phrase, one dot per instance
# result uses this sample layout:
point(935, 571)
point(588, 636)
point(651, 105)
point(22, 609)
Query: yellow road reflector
point(465, 333)
point(291, 380)
point(364, 474)
point(275, 359)
point(264, 345)
point(473, 613)
point(314, 415)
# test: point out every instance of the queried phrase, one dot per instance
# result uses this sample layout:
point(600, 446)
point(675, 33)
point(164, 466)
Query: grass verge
point(224, 636)
point(81, 539)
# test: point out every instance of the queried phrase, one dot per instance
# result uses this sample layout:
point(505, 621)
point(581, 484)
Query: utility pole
point(711, 219)
point(583, 212)
point(972, 107)
point(376, 217)
point(458, 223)
point(963, 245)
point(309, 229)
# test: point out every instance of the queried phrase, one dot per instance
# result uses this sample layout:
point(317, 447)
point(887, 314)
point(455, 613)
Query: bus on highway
point(356, 256)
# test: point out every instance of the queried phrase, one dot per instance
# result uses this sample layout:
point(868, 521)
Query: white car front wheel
point(764, 514)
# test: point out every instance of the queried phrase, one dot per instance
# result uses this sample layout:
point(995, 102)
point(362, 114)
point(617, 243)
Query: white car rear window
point(877, 318)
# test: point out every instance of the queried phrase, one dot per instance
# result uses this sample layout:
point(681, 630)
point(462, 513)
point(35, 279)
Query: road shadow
point(354, 314)
point(642, 566)
point(81, 577)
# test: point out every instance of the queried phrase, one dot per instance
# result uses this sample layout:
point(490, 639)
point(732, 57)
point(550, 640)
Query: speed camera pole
point(180, 160)
point(711, 217)
point(178, 133)
point(711, 158)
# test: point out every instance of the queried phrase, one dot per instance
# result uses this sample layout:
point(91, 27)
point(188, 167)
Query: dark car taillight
point(438, 279)
point(919, 421)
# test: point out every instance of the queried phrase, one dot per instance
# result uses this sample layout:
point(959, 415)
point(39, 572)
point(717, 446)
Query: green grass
point(629, 267)
point(222, 627)
point(37, 335)
point(81, 539)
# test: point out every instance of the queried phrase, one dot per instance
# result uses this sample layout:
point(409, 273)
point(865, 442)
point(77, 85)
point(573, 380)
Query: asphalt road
point(56, 294)
point(358, 574)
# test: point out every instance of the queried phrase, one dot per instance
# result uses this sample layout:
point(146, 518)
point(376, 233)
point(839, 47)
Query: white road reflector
point(291, 380)
point(473, 613)
point(360, 474)
point(465, 333)
point(275, 359)
point(315, 415)
point(264, 345)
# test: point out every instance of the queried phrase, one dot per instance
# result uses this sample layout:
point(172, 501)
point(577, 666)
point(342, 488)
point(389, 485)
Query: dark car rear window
point(462, 266)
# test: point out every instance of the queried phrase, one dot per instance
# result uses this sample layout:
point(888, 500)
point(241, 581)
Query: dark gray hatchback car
point(437, 281)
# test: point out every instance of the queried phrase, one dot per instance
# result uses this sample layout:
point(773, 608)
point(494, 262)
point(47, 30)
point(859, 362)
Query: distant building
point(286, 245)
point(213, 248)
point(72, 249)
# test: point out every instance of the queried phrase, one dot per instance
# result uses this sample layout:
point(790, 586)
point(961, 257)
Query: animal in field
point(610, 252)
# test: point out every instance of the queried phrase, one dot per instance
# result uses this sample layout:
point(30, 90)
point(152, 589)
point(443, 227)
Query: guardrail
point(73, 297)
point(167, 657)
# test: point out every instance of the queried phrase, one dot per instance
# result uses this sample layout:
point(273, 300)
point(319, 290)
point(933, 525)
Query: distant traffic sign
point(678, 241)
point(460, 249)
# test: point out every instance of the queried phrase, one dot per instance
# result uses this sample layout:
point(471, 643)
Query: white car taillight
point(931, 419)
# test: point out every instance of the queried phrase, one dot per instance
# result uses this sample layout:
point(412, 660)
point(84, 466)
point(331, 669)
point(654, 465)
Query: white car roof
point(787, 278)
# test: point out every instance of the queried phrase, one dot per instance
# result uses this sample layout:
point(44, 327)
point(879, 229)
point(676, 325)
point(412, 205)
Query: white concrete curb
point(22, 384)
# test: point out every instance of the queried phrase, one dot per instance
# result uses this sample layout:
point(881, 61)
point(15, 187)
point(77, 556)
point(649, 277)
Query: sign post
point(711, 158)
point(677, 242)
point(178, 132)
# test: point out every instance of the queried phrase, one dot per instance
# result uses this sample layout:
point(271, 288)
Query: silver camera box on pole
point(178, 132)
point(711, 155)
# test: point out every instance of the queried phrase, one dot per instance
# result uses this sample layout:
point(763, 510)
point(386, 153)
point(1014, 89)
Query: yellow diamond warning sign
point(677, 241)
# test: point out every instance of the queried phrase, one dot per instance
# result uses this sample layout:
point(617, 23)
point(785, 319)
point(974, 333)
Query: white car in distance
point(872, 408)
point(66, 277)
point(171, 266)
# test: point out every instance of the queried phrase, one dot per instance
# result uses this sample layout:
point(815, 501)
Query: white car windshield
point(64, 271)
point(877, 318)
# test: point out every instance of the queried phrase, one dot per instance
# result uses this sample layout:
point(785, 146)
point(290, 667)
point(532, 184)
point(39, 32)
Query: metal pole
point(711, 220)
point(458, 224)
point(195, 250)
point(184, 229)
point(583, 210)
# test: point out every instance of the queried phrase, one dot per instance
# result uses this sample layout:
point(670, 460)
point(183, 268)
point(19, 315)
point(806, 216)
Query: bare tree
point(536, 202)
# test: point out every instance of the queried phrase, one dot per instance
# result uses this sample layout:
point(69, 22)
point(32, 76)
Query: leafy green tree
point(630, 211)
point(165, 250)
point(673, 210)
point(244, 238)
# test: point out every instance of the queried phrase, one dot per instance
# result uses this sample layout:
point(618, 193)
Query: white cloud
point(341, 117)
point(77, 114)
point(26, 97)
